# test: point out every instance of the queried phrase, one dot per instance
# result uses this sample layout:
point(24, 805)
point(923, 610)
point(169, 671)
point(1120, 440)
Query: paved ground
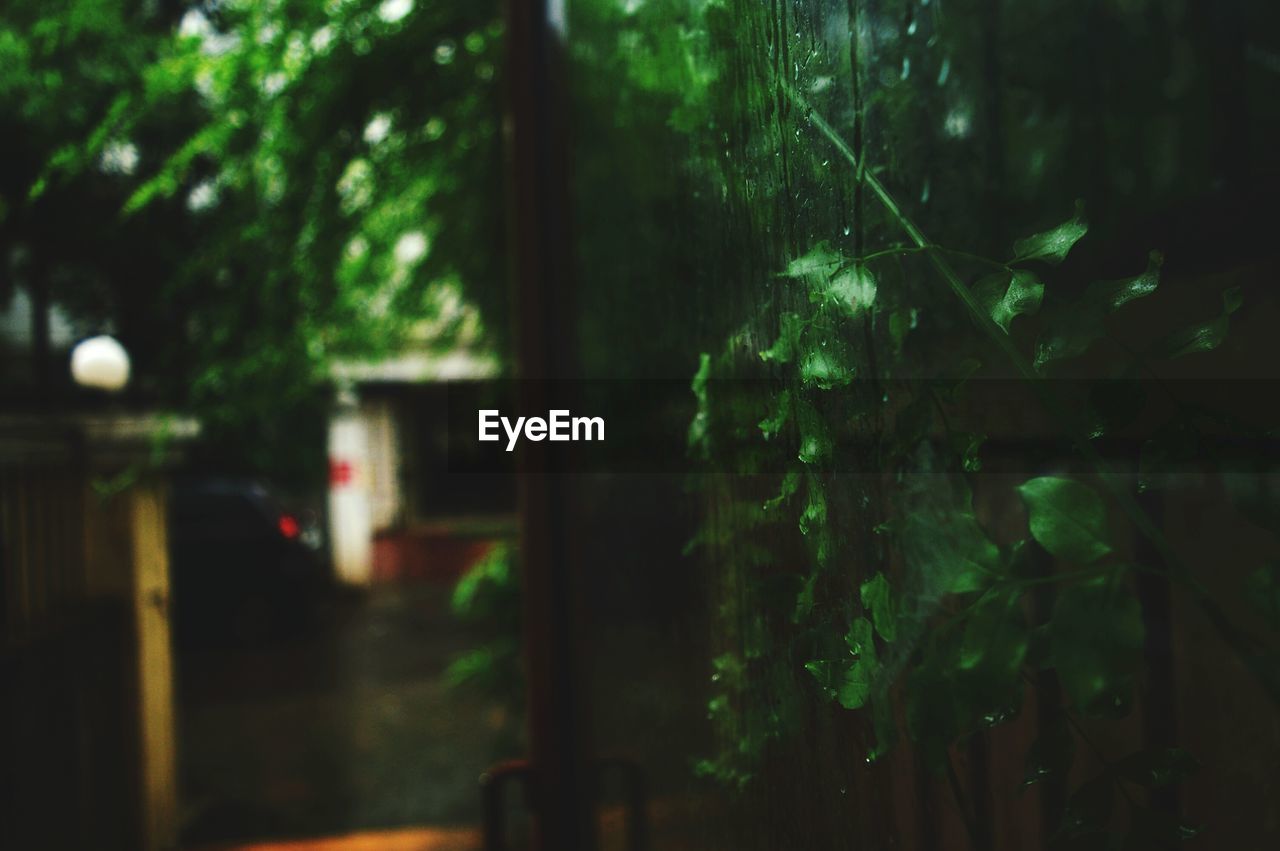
point(403, 839)
point(348, 729)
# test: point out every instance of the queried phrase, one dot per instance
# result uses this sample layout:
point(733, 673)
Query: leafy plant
point(488, 595)
point(946, 625)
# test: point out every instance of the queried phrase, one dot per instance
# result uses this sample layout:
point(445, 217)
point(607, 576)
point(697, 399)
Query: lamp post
point(100, 362)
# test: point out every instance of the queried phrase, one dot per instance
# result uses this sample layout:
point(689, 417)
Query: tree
point(243, 191)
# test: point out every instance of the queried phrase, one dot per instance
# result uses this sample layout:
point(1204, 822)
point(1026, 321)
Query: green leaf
point(1096, 635)
point(1157, 767)
point(484, 585)
point(851, 290)
point(481, 667)
point(790, 483)
point(1204, 336)
point(1006, 296)
point(819, 260)
point(995, 637)
point(877, 597)
point(1067, 518)
point(827, 674)
point(882, 723)
point(833, 281)
point(728, 669)
point(698, 435)
point(814, 515)
point(1110, 296)
point(968, 447)
point(950, 554)
point(1071, 331)
point(1050, 755)
point(700, 378)
point(850, 681)
point(1052, 246)
point(815, 441)
point(822, 367)
point(989, 659)
point(1262, 591)
point(901, 323)
point(772, 424)
point(784, 348)
point(856, 685)
point(1068, 334)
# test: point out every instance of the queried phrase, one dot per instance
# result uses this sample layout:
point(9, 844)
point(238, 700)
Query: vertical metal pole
point(558, 720)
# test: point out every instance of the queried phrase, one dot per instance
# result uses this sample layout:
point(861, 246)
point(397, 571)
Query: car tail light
point(288, 526)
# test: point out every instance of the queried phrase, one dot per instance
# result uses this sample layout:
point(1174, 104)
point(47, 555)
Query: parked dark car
point(242, 565)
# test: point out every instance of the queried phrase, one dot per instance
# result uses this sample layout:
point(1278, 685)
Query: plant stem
point(919, 249)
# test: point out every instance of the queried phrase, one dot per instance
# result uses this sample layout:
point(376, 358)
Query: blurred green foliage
point(487, 597)
point(245, 191)
point(811, 196)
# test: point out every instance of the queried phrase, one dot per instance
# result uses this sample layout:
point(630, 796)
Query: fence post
point(126, 555)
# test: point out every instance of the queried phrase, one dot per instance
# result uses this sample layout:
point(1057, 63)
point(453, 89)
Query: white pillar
point(350, 518)
point(384, 463)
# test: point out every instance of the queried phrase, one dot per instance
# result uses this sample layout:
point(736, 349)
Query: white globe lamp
point(100, 362)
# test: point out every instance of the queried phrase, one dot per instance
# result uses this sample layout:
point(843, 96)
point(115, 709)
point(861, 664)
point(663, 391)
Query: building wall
point(383, 436)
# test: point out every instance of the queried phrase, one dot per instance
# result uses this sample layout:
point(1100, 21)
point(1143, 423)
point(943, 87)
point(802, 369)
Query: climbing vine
point(940, 622)
point(945, 456)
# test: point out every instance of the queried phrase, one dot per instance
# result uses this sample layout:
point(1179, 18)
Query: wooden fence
point(86, 703)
